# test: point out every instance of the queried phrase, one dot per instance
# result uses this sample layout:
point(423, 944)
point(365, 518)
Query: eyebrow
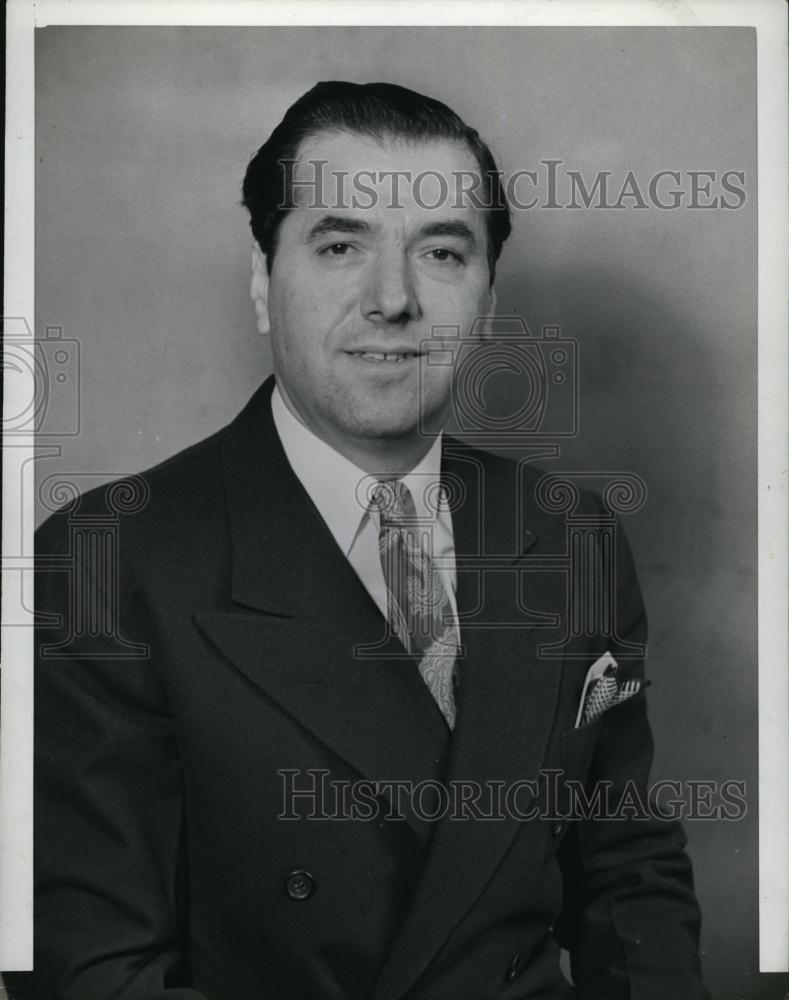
point(336, 224)
point(341, 224)
point(458, 229)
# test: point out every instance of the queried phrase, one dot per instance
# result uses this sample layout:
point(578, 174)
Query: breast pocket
point(577, 748)
point(569, 796)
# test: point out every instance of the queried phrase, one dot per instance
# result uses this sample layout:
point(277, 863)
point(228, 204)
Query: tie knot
point(394, 503)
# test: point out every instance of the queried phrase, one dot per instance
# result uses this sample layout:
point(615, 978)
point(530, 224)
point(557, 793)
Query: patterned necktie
point(419, 609)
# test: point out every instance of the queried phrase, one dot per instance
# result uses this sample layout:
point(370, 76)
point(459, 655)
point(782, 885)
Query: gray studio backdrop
point(143, 255)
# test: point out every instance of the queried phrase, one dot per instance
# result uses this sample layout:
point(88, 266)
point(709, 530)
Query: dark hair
point(377, 110)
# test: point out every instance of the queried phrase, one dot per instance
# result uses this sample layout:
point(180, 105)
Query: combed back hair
point(377, 110)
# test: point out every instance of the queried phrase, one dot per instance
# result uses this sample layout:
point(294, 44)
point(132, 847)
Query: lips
point(385, 357)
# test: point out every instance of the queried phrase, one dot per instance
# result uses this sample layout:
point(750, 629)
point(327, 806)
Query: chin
point(384, 427)
point(393, 425)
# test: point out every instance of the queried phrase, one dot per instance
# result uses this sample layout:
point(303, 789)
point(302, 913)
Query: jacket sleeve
point(108, 802)
point(630, 920)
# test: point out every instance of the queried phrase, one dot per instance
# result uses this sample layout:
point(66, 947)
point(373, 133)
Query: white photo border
point(769, 19)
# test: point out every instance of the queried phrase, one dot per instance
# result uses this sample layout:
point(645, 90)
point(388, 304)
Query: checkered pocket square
point(606, 692)
point(603, 689)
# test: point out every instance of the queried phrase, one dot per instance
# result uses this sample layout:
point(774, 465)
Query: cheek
point(435, 385)
point(310, 318)
point(294, 337)
point(456, 306)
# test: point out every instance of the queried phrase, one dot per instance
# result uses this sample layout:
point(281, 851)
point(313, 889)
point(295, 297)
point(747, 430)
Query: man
point(325, 604)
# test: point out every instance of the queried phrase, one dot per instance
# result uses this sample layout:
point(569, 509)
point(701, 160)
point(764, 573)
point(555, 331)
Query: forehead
point(358, 173)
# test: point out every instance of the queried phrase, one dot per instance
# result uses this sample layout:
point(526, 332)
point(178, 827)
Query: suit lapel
point(301, 626)
point(507, 696)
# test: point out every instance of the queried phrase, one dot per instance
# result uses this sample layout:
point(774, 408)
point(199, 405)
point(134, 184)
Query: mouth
point(388, 357)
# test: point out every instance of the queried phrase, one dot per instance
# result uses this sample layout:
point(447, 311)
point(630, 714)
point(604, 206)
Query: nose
point(389, 294)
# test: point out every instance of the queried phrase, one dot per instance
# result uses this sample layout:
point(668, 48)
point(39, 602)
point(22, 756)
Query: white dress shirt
point(341, 492)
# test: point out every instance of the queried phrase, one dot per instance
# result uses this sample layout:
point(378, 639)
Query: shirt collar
point(338, 488)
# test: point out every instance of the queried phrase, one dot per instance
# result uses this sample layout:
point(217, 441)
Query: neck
point(386, 459)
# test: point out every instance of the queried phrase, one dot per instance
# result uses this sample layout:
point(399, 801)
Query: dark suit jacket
point(218, 638)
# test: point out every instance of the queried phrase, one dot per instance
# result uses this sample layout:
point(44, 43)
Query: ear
point(258, 288)
point(486, 329)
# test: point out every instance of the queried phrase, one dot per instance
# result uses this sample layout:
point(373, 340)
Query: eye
point(336, 249)
point(444, 255)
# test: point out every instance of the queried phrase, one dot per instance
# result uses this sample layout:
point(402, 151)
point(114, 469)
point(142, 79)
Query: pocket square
point(603, 689)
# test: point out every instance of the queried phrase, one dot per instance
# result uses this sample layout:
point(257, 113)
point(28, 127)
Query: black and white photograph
point(394, 503)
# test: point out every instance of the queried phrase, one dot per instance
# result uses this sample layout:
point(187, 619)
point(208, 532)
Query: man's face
point(355, 292)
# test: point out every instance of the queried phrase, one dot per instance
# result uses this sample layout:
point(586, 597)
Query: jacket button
point(300, 885)
point(514, 968)
point(556, 828)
